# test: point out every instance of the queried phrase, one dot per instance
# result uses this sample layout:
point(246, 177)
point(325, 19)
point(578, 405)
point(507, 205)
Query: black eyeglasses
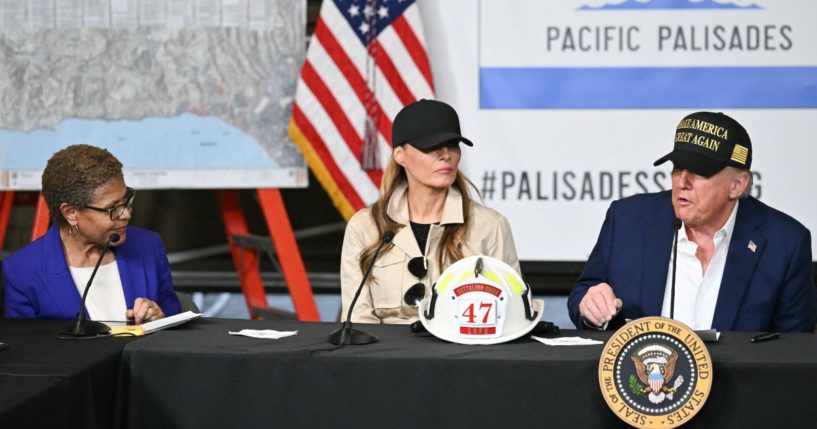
point(118, 210)
point(418, 267)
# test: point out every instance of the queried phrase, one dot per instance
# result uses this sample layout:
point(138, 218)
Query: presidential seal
point(655, 373)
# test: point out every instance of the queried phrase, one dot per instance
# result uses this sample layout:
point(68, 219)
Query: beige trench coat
point(381, 300)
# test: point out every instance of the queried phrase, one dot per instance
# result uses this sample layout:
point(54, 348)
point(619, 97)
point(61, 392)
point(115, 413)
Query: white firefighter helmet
point(480, 300)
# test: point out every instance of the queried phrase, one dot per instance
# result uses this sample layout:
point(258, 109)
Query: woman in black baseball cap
point(424, 201)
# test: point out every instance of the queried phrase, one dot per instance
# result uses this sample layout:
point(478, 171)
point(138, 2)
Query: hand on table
point(599, 305)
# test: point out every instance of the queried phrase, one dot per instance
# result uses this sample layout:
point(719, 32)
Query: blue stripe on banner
point(647, 87)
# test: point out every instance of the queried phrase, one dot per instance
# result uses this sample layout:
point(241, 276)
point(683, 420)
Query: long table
point(51, 383)
point(198, 376)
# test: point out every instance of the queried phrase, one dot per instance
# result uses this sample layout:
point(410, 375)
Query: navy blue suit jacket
point(38, 283)
point(769, 289)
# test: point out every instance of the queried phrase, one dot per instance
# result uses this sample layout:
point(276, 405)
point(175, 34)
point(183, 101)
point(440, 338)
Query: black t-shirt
point(420, 231)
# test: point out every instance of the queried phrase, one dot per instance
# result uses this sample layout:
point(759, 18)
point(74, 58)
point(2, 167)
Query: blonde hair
point(453, 235)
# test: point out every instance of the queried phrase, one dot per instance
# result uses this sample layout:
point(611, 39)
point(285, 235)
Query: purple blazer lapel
point(740, 264)
point(56, 277)
point(129, 260)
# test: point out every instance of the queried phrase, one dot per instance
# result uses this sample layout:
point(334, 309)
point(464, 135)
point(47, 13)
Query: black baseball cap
point(707, 142)
point(425, 124)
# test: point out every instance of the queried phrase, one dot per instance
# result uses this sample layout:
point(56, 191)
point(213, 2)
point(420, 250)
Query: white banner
point(569, 102)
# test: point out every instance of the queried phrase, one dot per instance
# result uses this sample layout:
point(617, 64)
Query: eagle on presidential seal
point(655, 366)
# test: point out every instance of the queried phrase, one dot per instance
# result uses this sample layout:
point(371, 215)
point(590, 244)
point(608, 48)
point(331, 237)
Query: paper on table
point(156, 325)
point(566, 341)
point(264, 333)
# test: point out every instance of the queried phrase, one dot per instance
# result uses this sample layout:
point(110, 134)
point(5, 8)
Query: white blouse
point(106, 299)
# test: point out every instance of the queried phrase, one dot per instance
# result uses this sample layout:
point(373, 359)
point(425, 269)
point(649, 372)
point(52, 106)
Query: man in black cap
point(740, 266)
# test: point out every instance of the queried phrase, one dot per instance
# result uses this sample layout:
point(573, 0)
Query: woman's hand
point(144, 310)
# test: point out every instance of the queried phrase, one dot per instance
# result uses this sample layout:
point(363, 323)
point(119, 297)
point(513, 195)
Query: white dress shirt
point(696, 292)
point(106, 299)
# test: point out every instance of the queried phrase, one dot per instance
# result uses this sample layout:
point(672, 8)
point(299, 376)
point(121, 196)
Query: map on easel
point(187, 94)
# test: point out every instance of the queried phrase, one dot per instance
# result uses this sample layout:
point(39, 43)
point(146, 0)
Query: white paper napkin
point(566, 341)
point(269, 334)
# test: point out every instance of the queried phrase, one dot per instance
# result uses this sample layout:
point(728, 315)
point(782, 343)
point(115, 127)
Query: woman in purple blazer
point(89, 202)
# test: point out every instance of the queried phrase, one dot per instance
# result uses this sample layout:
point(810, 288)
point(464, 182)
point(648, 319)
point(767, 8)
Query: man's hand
point(144, 310)
point(599, 305)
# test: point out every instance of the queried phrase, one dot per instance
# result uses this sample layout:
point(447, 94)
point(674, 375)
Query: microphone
point(346, 334)
point(81, 327)
point(676, 225)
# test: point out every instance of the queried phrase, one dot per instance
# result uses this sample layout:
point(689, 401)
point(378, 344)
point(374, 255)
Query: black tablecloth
point(198, 376)
point(51, 383)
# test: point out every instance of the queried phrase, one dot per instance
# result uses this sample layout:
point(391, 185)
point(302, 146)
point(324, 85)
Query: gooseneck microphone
point(346, 334)
point(81, 327)
point(676, 225)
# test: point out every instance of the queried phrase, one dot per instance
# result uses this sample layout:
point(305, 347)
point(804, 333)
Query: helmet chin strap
point(432, 304)
point(526, 303)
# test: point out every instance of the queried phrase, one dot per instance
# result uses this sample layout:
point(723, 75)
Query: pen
point(764, 337)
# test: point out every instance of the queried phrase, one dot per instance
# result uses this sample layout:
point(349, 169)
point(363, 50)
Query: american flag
point(656, 382)
point(366, 60)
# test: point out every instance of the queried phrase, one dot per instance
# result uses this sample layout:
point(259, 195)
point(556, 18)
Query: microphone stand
point(347, 334)
point(676, 224)
point(81, 327)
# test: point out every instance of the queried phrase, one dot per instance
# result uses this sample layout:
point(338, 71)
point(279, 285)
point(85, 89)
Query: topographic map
point(186, 93)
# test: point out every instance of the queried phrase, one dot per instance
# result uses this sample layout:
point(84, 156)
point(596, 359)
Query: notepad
point(156, 325)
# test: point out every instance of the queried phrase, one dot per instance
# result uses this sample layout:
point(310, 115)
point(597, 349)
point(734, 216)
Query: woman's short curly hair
point(73, 174)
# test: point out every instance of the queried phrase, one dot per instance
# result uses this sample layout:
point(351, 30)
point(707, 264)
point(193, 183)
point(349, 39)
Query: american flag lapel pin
point(752, 246)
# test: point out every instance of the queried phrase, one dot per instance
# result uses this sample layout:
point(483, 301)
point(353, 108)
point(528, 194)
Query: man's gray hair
point(748, 191)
